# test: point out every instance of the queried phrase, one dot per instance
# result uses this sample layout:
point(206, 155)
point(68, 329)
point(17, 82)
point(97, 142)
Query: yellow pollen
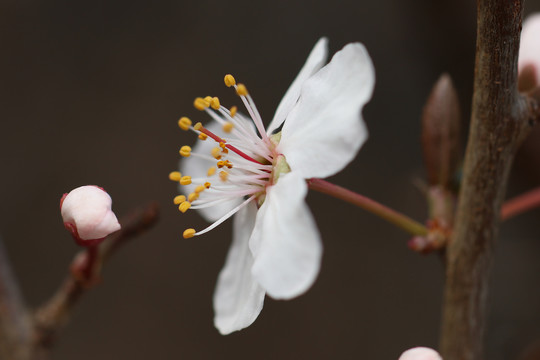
point(199, 189)
point(234, 109)
point(211, 171)
point(184, 123)
point(241, 90)
point(203, 136)
point(188, 233)
point(193, 197)
point(200, 104)
point(216, 153)
point(184, 206)
point(214, 103)
point(198, 126)
point(223, 175)
point(179, 199)
point(175, 176)
point(185, 180)
point(207, 185)
point(208, 100)
point(185, 151)
point(227, 127)
point(229, 80)
point(220, 164)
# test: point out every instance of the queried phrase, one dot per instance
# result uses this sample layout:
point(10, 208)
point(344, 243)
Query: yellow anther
point(203, 136)
point(229, 80)
point(179, 199)
point(198, 126)
point(211, 171)
point(185, 151)
point(220, 164)
point(184, 206)
point(207, 185)
point(227, 127)
point(241, 90)
point(223, 175)
point(214, 103)
point(185, 180)
point(199, 189)
point(200, 103)
point(216, 153)
point(175, 176)
point(184, 123)
point(192, 197)
point(228, 164)
point(234, 109)
point(189, 233)
point(208, 100)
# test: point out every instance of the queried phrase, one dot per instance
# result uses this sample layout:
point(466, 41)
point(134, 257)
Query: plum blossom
point(420, 353)
point(87, 214)
point(259, 174)
point(529, 51)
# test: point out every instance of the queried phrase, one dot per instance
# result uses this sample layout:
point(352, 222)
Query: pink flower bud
point(529, 51)
point(87, 214)
point(420, 353)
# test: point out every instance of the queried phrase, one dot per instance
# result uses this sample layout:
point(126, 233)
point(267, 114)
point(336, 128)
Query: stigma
point(243, 159)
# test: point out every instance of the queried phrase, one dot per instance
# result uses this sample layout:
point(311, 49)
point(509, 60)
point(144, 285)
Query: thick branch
point(15, 328)
point(499, 122)
point(52, 316)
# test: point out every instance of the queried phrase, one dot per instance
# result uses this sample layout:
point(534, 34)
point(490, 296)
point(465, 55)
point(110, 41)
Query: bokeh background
point(90, 93)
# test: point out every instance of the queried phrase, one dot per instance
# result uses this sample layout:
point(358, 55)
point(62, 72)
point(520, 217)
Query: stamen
point(200, 104)
point(223, 175)
point(175, 176)
point(198, 126)
point(184, 123)
point(207, 185)
point(216, 153)
point(185, 151)
point(234, 109)
point(199, 188)
point(185, 180)
point(211, 171)
point(184, 206)
point(229, 80)
point(241, 90)
point(188, 233)
point(203, 136)
point(179, 199)
point(227, 127)
point(193, 196)
point(208, 100)
point(214, 103)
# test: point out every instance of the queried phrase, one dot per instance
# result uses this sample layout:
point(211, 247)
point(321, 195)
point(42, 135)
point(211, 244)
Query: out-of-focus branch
point(500, 120)
point(50, 317)
point(15, 329)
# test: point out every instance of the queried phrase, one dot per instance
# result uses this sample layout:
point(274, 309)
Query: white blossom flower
point(316, 131)
point(529, 50)
point(420, 353)
point(87, 214)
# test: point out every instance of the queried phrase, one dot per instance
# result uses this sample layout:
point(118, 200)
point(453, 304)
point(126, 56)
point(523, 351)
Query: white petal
point(529, 51)
point(420, 353)
point(285, 242)
point(197, 167)
point(325, 130)
point(88, 208)
point(316, 59)
point(238, 299)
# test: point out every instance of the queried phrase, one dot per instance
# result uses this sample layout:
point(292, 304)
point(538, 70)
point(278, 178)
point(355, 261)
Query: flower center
point(242, 163)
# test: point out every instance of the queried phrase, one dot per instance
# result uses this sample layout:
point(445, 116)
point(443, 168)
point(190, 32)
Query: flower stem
point(404, 222)
point(520, 204)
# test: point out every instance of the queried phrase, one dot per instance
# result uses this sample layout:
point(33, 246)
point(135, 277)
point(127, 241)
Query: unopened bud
point(87, 214)
point(420, 353)
point(440, 132)
point(529, 54)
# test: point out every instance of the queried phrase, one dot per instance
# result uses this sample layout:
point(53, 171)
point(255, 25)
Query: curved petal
point(316, 59)
point(285, 242)
point(325, 129)
point(529, 50)
point(197, 168)
point(238, 298)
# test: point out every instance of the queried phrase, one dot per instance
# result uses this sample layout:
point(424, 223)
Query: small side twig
point(52, 316)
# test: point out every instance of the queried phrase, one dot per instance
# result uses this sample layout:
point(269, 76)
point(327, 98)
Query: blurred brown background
point(90, 93)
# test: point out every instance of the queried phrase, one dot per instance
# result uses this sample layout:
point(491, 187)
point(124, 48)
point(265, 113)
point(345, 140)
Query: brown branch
point(499, 122)
point(52, 316)
point(15, 330)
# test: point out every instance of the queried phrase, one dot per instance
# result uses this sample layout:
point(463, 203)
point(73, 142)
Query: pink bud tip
point(529, 51)
point(420, 353)
point(87, 214)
